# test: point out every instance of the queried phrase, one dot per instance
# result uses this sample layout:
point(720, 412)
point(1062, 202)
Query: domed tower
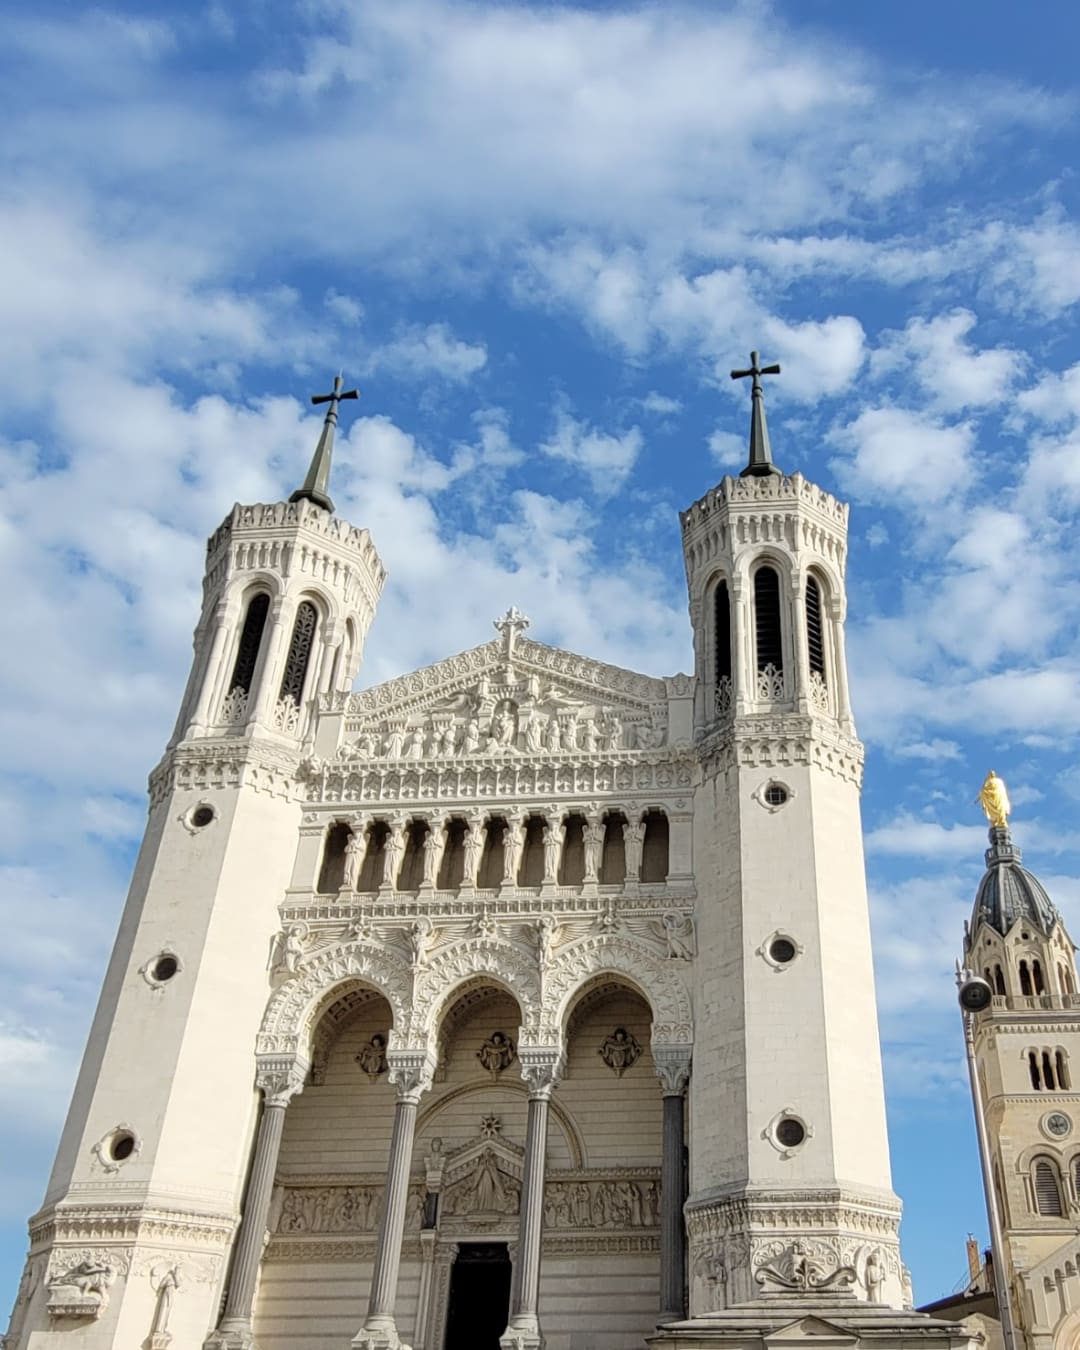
point(146, 1189)
point(1027, 1054)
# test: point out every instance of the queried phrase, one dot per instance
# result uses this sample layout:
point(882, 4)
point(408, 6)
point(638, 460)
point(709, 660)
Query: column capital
point(411, 1072)
point(672, 1064)
point(280, 1078)
point(541, 1068)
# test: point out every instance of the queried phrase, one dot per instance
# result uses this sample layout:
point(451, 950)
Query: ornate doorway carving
point(479, 1296)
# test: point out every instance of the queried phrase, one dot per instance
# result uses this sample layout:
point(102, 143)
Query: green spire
point(316, 486)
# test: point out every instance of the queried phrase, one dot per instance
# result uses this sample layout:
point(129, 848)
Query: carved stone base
point(829, 1319)
point(159, 1340)
point(68, 1302)
point(522, 1338)
point(230, 1338)
point(378, 1338)
point(751, 1245)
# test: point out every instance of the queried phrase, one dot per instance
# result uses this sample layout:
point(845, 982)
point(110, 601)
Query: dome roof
point(1009, 892)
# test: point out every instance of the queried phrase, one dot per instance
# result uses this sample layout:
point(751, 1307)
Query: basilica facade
point(522, 1000)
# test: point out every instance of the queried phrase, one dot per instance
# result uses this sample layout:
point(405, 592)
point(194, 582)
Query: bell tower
point(790, 1190)
point(146, 1189)
point(1026, 1044)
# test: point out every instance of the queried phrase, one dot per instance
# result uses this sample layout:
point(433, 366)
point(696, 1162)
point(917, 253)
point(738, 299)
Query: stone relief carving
point(620, 1051)
point(678, 929)
point(607, 1203)
point(354, 857)
point(372, 1058)
point(487, 1191)
point(288, 949)
point(421, 937)
point(82, 1289)
point(330, 1209)
point(165, 1281)
point(497, 1053)
point(634, 843)
point(873, 1278)
point(801, 1266)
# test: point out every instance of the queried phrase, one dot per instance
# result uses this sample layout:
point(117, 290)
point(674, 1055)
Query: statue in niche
point(354, 857)
point(474, 848)
point(534, 736)
point(619, 1051)
point(414, 746)
point(394, 741)
point(593, 836)
point(490, 1193)
point(420, 937)
point(497, 1053)
point(589, 738)
point(287, 949)
point(513, 846)
point(633, 843)
point(432, 851)
point(679, 931)
point(874, 1278)
point(553, 842)
point(394, 852)
point(470, 741)
point(372, 1057)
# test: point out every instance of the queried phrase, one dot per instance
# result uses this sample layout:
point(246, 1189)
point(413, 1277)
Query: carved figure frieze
point(620, 1051)
point(606, 1203)
point(288, 949)
point(330, 1209)
point(497, 1053)
point(678, 929)
point(372, 1057)
point(486, 1192)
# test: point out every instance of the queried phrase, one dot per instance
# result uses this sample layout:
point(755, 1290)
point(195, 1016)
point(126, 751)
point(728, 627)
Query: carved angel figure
point(432, 852)
point(679, 931)
point(994, 801)
point(633, 843)
point(553, 842)
point(474, 848)
point(513, 845)
point(394, 852)
point(288, 947)
point(593, 836)
point(497, 1053)
point(372, 1057)
point(546, 929)
point(420, 935)
point(619, 1051)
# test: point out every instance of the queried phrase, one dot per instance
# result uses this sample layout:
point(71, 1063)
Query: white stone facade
point(459, 963)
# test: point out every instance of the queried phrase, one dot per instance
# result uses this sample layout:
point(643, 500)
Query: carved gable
point(811, 1329)
point(509, 697)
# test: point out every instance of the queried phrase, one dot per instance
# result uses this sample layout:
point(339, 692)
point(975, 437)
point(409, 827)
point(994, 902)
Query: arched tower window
point(1047, 1189)
point(998, 980)
point(1062, 1070)
point(815, 645)
point(768, 634)
point(1037, 977)
point(296, 663)
point(247, 652)
point(1034, 1070)
point(1025, 978)
point(722, 653)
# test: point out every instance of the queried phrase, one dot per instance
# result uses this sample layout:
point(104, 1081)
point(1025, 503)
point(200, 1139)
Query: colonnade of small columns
point(412, 1072)
point(490, 852)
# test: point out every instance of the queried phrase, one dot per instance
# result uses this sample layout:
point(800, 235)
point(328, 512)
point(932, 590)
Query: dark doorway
point(479, 1297)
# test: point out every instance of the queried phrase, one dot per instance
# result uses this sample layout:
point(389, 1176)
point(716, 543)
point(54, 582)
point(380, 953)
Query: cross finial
point(760, 462)
point(510, 625)
point(317, 483)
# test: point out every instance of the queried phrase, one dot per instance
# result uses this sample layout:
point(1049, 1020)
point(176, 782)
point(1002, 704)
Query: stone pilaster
point(673, 1070)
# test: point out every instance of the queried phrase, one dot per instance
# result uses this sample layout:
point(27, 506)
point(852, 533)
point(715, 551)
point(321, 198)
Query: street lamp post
point(975, 994)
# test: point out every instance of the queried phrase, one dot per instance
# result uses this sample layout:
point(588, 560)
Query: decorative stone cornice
point(262, 766)
point(130, 1223)
point(777, 740)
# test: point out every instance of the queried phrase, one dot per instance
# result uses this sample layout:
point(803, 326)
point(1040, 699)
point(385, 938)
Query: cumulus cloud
point(605, 458)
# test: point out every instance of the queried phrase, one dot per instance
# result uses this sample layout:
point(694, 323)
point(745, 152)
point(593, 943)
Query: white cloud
point(953, 376)
point(934, 751)
point(431, 350)
point(897, 456)
point(729, 450)
point(660, 404)
point(606, 459)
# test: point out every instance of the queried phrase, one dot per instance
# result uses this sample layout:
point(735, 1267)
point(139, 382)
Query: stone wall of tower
point(151, 1165)
point(786, 1045)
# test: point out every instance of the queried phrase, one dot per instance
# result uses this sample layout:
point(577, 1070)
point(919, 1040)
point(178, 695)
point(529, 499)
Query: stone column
point(280, 1083)
point(541, 1068)
point(839, 671)
point(212, 675)
point(799, 682)
point(411, 1071)
point(265, 682)
point(743, 666)
point(673, 1070)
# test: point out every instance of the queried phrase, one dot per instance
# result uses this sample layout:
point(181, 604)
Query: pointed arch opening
point(768, 634)
point(298, 659)
point(247, 651)
point(722, 665)
point(332, 871)
point(1046, 1187)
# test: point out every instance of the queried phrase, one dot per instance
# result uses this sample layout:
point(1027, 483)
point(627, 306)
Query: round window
point(164, 968)
point(790, 1132)
point(776, 794)
point(782, 950)
point(121, 1146)
point(202, 816)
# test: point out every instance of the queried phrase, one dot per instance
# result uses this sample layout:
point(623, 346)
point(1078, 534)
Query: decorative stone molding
point(778, 741)
point(801, 1267)
point(280, 1077)
point(611, 953)
point(205, 765)
point(672, 1064)
point(130, 1224)
point(506, 963)
point(411, 1072)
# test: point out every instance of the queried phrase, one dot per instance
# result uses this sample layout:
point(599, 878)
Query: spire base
point(760, 471)
point(305, 494)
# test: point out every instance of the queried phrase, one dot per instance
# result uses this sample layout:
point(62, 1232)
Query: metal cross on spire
point(316, 486)
point(761, 462)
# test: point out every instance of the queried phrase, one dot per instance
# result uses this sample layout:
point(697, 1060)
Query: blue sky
point(539, 237)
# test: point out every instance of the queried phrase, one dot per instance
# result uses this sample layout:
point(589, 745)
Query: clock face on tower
point(1057, 1123)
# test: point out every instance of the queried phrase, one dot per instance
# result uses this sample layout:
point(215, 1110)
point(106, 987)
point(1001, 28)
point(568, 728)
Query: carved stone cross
point(510, 625)
point(760, 462)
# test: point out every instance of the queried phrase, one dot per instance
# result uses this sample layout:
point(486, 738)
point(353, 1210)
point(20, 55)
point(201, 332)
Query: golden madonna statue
point(994, 800)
